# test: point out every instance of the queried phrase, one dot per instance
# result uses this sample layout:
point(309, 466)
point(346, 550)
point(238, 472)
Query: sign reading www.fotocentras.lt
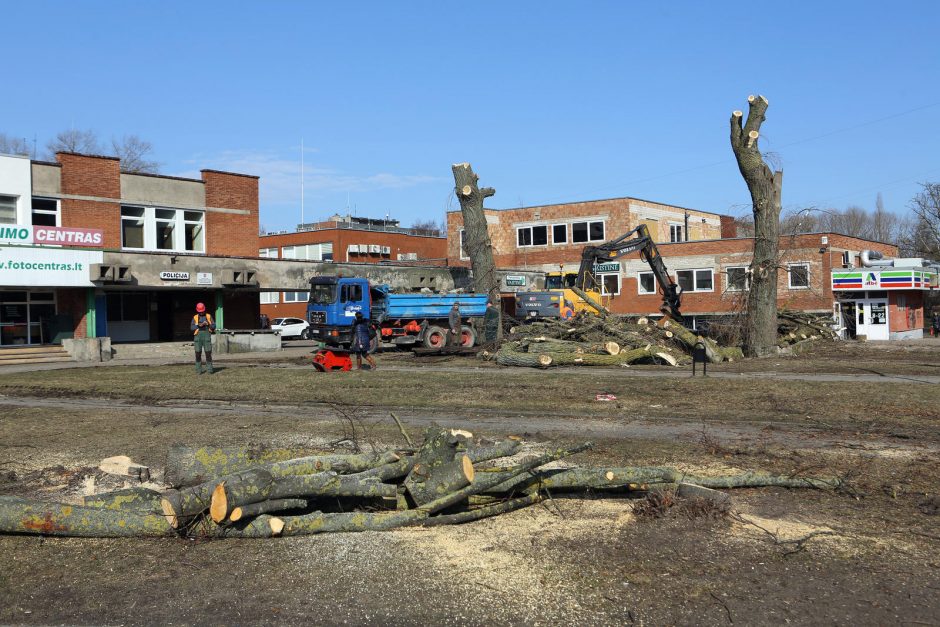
point(46, 267)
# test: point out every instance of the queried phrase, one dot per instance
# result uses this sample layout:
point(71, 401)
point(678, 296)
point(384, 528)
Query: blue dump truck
point(402, 319)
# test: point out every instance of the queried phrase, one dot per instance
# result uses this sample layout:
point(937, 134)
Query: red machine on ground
point(332, 360)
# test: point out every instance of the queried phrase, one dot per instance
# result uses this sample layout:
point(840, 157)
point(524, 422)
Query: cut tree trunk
point(485, 452)
point(439, 480)
point(186, 466)
point(123, 465)
point(601, 310)
point(18, 515)
point(250, 488)
point(476, 240)
point(265, 507)
point(765, 187)
point(692, 491)
point(140, 500)
point(434, 466)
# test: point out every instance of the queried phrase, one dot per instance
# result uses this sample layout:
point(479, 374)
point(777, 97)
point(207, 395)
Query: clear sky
point(549, 101)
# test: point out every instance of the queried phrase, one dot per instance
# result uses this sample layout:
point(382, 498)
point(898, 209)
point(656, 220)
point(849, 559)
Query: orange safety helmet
point(200, 308)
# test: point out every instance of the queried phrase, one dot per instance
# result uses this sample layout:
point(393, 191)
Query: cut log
point(563, 479)
point(425, 484)
point(251, 486)
point(266, 507)
point(545, 360)
point(263, 526)
point(601, 310)
point(188, 466)
point(25, 516)
point(140, 500)
point(486, 452)
point(321, 523)
point(612, 348)
point(434, 463)
point(666, 357)
point(228, 495)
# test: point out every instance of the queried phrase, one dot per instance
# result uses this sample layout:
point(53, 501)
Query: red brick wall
point(615, 212)
point(84, 175)
point(72, 301)
point(729, 228)
point(284, 310)
point(227, 233)
point(430, 250)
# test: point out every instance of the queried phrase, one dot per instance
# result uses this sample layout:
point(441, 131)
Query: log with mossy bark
point(187, 466)
point(256, 485)
point(510, 355)
point(265, 507)
point(439, 465)
point(319, 522)
point(26, 516)
point(141, 500)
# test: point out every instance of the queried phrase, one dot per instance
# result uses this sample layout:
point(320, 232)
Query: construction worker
point(490, 325)
point(453, 320)
point(202, 326)
point(362, 336)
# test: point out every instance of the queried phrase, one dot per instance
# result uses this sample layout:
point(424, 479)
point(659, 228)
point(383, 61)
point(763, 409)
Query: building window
point(268, 253)
point(7, 209)
point(132, 227)
point(296, 297)
point(738, 279)
point(45, 212)
point(463, 249)
point(587, 231)
point(675, 232)
point(610, 284)
point(798, 274)
point(532, 236)
point(194, 229)
point(270, 298)
point(646, 282)
point(695, 280)
point(560, 234)
point(149, 228)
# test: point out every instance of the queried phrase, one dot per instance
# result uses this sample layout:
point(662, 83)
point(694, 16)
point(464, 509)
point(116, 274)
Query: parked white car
point(292, 328)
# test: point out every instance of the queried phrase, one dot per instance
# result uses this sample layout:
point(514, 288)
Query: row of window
point(45, 211)
point(738, 279)
point(581, 232)
point(273, 298)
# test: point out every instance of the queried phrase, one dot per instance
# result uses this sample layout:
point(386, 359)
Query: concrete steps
point(33, 355)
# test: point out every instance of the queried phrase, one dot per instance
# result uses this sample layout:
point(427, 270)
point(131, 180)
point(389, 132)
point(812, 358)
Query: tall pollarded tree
point(476, 241)
point(765, 186)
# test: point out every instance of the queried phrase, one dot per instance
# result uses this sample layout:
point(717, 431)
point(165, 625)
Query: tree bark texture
point(18, 515)
point(476, 237)
point(765, 187)
point(426, 483)
point(434, 465)
point(256, 485)
point(139, 500)
point(486, 452)
point(265, 507)
point(187, 466)
point(486, 511)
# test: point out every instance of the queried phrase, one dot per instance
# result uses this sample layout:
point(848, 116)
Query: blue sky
point(549, 101)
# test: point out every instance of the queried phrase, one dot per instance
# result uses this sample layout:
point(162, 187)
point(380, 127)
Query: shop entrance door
point(25, 316)
point(872, 319)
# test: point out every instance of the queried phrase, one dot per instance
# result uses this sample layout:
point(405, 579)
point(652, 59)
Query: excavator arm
point(625, 245)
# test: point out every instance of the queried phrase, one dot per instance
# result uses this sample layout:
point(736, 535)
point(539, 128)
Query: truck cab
point(332, 307)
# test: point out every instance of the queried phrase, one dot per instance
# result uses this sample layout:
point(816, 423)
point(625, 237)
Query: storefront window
point(25, 317)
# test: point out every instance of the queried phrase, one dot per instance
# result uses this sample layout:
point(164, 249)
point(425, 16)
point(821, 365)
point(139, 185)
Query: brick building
point(544, 236)
point(87, 250)
point(347, 239)
point(709, 263)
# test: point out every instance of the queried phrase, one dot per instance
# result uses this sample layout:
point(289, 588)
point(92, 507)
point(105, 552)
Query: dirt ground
point(865, 554)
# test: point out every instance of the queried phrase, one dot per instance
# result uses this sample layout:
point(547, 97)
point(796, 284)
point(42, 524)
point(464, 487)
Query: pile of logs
point(449, 479)
point(794, 327)
point(592, 340)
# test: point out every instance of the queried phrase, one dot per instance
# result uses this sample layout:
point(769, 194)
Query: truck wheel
point(435, 337)
point(468, 337)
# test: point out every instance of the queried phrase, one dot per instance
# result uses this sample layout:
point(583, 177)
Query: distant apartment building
point(347, 239)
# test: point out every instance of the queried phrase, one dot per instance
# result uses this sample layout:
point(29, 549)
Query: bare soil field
point(866, 554)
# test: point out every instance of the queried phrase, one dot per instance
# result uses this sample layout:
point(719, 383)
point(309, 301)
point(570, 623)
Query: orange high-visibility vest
point(196, 322)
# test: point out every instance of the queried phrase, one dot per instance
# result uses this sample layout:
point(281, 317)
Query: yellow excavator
point(567, 293)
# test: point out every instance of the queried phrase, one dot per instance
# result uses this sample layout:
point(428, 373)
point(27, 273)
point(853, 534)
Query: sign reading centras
point(51, 236)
